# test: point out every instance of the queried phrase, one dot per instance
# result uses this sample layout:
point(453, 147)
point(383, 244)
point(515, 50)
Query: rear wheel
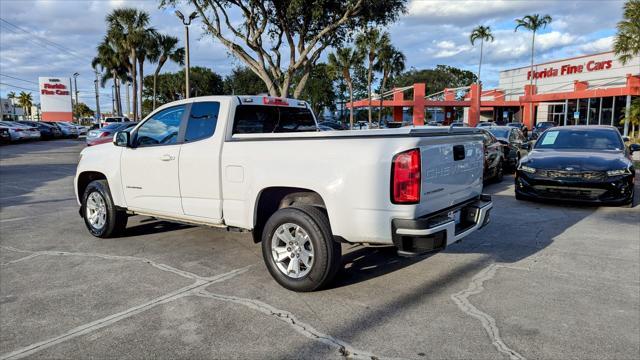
point(299, 250)
point(100, 214)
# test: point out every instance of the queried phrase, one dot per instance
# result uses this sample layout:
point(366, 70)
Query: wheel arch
point(272, 199)
point(85, 178)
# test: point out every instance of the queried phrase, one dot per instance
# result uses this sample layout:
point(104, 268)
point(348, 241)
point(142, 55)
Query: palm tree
point(25, 100)
point(390, 63)
point(634, 116)
point(532, 23)
point(114, 66)
point(128, 28)
point(369, 43)
point(147, 46)
point(627, 42)
point(482, 33)
point(165, 49)
point(12, 96)
point(342, 61)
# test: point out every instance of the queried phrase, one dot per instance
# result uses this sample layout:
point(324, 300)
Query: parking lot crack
point(488, 323)
point(157, 265)
point(200, 283)
point(344, 349)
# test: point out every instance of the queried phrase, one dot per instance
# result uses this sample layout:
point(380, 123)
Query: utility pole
point(113, 100)
point(95, 82)
point(186, 23)
point(75, 85)
point(128, 103)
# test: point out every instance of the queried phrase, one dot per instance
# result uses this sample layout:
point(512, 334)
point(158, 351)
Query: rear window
point(256, 119)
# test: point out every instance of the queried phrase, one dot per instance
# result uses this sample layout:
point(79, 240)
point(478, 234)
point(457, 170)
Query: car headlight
point(618, 172)
point(527, 169)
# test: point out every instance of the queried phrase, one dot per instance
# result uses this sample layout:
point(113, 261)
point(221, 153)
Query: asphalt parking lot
point(540, 281)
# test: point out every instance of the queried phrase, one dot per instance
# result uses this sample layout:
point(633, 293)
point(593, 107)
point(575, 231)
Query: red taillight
point(405, 177)
point(274, 101)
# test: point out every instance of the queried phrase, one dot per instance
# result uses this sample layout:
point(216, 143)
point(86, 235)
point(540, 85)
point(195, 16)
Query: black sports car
point(578, 163)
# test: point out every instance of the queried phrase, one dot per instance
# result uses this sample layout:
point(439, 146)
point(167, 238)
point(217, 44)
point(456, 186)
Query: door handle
point(167, 157)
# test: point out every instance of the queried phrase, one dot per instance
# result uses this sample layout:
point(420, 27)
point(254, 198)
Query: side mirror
point(634, 147)
point(526, 145)
point(122, 138)
point(625, 139)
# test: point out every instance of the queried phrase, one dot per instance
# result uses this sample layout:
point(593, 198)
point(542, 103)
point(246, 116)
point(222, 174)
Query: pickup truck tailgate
point(452, 168)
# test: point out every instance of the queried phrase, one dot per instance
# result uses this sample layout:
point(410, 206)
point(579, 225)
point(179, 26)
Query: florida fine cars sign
point(55, 99)
point(569, 69)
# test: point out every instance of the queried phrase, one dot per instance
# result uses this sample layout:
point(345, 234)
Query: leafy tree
point(391, 62)
point(369, 43)
point(319, 91)
point(165, 48)
point(25, 100)
point(81, 110)
point(482, 33)
point(627, 42)
point(243, 81)
point(342, 62)
point(171, 86)
point(298, 31)
point(437, 79)
point(12, 96)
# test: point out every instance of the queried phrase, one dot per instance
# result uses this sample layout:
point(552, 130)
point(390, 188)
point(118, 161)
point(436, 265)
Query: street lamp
point(75, 85)
point(186, 23)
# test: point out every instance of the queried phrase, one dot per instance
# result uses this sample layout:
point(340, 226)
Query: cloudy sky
point(58, 38)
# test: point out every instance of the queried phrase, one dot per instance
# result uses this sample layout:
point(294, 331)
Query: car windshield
point(112, 127)
point(544, 125)
point(500, 133)
point(579, 139)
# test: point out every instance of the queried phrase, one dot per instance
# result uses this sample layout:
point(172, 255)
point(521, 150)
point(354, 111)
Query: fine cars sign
point(55, 98)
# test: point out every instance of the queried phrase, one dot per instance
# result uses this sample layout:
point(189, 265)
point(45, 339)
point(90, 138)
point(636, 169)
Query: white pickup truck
point(259, 164)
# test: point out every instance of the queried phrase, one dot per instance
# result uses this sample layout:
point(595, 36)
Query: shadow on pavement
point(153, 226)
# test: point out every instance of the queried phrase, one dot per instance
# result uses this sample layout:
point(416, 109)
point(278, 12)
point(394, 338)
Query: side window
point(512, 135)
point(202, 121)
point(257, 119)
point(161, 129)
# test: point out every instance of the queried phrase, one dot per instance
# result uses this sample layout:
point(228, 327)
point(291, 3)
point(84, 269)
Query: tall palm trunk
point(141, 75)
point(155, 81)
point(531, 112)
point(119, 97)
point(382, 87)
point(480, 64)
point(134, 84)
point(369, 77)
point(351, 101)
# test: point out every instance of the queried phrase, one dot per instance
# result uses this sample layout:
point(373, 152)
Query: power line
point(17, 87)
point(46, 41)
point(17, 78)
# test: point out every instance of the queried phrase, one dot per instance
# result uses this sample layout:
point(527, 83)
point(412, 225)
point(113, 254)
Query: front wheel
point(100, 214)
point(299, 250)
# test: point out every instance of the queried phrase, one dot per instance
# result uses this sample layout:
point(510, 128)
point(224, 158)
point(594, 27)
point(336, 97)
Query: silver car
point(68, 130)
point(19, 132)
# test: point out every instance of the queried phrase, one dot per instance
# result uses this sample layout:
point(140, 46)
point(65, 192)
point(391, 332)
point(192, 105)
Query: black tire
point(520, 197)
point(116, 220)
point(326, 251)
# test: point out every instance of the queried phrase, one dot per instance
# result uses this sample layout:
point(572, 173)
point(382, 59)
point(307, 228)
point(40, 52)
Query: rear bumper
point(436, 231)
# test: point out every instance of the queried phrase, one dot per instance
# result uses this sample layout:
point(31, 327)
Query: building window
point(607, 107)
point(618, 113)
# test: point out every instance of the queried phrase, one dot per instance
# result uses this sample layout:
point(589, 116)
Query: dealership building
point(592, 89)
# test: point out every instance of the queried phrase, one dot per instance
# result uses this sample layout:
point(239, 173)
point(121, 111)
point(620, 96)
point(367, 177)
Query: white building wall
point(599, 70)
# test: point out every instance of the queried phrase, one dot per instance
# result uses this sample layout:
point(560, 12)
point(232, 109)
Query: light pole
point(186, 23)
point(75, 85)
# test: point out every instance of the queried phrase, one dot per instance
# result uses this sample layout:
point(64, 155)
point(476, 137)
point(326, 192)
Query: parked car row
point(25, 130)
point(105, 134)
